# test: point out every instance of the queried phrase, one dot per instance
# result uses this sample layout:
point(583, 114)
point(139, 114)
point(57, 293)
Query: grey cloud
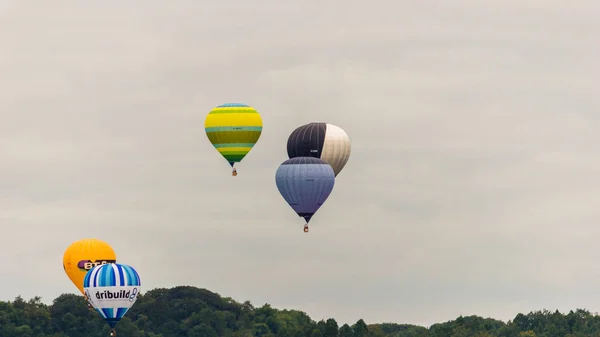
point(470, 189)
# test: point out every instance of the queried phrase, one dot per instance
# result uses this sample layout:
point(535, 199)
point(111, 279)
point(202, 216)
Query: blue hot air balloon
point(305, 183)
point(321, 140)
point(112, 289)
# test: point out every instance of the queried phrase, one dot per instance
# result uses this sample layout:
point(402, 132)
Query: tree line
point(193, 312)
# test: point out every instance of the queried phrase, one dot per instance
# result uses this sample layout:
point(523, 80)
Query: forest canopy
point(192, 312)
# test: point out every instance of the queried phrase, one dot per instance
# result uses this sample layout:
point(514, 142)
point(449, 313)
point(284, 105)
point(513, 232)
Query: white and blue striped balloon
point(112, 289)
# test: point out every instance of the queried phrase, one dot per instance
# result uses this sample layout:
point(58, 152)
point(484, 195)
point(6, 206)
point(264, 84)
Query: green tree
point(193, 312)
point(528, 333)
point(316, 333)
point(202, 330)
point(346, 331)
point(331, 328)
point(361, 329)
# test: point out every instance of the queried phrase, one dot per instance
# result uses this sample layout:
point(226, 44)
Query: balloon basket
point(113, 333)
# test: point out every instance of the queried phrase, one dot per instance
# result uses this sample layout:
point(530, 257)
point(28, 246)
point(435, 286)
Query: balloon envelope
point(305, 183)
point(112, 289)
point(233, 129)
point(320, 140)
point(81, 256)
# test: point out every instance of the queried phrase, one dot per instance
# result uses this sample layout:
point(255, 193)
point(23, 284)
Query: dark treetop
point(193, 312)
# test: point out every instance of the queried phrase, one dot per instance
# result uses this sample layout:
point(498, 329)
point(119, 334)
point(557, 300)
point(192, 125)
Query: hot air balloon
point(320, 140)
point(112, 289)
point(81, 256)
point(305, 183)
point(233, 129)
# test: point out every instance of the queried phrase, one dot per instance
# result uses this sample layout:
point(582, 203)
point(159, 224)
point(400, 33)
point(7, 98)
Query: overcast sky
point(472, 187)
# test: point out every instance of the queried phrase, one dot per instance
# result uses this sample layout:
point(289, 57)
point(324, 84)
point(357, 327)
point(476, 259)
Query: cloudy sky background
point(472, 187)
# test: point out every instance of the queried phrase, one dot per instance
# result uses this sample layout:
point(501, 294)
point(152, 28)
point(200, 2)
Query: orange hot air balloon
point(84, 255)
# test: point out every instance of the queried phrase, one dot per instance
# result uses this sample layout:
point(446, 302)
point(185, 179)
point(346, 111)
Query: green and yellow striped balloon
point(233, 129)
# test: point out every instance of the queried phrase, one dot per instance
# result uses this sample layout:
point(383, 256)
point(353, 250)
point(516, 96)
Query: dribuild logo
point(117, 295)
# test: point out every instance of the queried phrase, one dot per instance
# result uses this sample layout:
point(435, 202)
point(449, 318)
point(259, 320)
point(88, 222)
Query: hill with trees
point(192, 312)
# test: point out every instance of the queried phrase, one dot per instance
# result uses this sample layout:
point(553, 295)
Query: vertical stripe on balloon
point(121, 281)
point(320, 140)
